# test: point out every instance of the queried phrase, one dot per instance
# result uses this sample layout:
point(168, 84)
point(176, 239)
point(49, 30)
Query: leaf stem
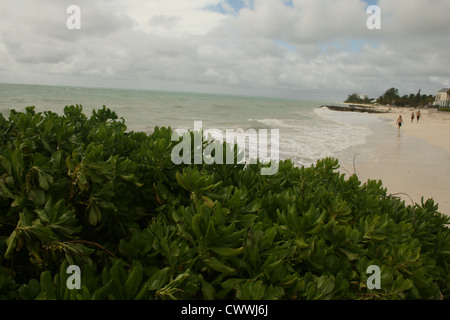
point(96, 245)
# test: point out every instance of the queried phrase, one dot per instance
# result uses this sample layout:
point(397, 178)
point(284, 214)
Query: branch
point(96, 245)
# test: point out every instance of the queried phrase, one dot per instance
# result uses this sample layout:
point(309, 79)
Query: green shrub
point(79, 190)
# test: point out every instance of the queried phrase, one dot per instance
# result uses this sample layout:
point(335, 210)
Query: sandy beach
point(416, 160)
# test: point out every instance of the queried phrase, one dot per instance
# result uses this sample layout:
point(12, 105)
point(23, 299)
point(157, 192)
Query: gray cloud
point(168, 22)
point(315, 48)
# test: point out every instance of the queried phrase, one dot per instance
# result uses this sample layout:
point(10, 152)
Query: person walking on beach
point(412, 117)
point(418, 116)
point(399, 122)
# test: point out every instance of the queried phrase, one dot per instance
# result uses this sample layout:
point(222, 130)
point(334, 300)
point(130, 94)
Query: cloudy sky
point(308, 49)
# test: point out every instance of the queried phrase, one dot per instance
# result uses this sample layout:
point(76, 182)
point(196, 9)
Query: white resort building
point(443, 97)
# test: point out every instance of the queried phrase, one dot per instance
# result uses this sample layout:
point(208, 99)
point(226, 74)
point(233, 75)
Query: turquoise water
point(307, 132)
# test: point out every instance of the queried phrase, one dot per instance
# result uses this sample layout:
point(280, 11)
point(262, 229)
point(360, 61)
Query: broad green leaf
point(325, 285)
point(11, 243)
point(227, 253)
point(4, 191)
point(95, 215)
point(159, 279)
point(196, 225)
point(246, 220)
point(47, 288)
point(211, 233)
point(254, 206)
point(29, 291)
point(37, 196)
point(350, 255)
point(208, 290)
point(134, 280)
point(219, 266)
point(44, 180)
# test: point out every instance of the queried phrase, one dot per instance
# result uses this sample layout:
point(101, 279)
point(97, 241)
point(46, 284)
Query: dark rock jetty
point(355, 108)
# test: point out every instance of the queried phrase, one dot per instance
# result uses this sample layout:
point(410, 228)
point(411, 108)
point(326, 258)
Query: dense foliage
point(392, 97)
point(356, 98)
point(85, 191)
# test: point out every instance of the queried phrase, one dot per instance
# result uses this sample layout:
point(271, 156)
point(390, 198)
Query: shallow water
point(307, 132)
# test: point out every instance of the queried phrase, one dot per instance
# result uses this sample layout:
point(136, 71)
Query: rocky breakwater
point(356, 108)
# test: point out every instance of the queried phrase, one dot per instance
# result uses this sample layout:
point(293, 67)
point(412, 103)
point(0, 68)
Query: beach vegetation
point(357, 98)
point(392, 97)
point(85, 191)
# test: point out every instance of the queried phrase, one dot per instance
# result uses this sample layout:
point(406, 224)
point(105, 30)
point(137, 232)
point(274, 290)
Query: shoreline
point(434, 125)
point(414, 162)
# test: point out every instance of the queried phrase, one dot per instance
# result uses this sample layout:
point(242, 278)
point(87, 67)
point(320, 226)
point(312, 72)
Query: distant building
point(442, 97)
point(362, 96)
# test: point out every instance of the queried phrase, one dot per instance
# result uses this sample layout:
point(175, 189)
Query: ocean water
point(307, 132)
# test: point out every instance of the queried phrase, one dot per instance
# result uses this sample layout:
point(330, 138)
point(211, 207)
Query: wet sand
point(414, 161)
